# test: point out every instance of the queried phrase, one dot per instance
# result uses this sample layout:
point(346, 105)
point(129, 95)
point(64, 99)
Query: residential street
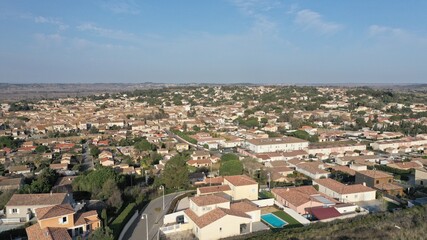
point(155, 219)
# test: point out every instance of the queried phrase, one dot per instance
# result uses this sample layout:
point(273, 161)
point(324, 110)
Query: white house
point(345, 193)
point(285, 144)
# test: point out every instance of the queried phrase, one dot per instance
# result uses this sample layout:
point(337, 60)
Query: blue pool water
point(273, 220)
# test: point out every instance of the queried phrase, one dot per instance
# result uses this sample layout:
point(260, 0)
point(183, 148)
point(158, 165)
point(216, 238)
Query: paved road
point(155, 219)
point(180, 139)
point(87, 158)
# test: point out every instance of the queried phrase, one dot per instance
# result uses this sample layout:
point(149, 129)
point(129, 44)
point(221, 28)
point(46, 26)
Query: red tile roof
point(209, 199)
point(214, 189)
point(54, 211)
point(34, 232)
point(240, 180)
point(322, 213)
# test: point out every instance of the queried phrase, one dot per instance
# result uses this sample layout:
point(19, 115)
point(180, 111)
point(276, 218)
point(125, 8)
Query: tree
point(43, 183)
point(233, 167)
point(102, 234)
point(93, 182)
point(94, 151)
point(175, 175)
point(41, 149)
point(2, 169)
point(143, 146)
point(104, 217)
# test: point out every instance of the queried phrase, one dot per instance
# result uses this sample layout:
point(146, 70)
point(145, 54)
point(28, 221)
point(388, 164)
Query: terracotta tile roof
point(54, 211)
point(375, 174)
point(212, 216)
point(85, 218)
point(296, 196)
point(388, 186)
point(324, 213)
point(214, 189)
point(37, 199)
point(34, 232)
point(344, 169)
point(214, 180)
point(244, 206)
point(6, 181)
point(200, 161)
point(271, 141)
point(342, 188)
point(209, 200)
point(405, 165)
point(240, 180)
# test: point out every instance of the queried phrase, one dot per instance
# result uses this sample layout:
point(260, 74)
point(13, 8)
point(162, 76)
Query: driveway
point(137, 231)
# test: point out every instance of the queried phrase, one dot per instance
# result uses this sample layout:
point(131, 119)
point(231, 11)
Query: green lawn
point(265, 194)
point(292, 223)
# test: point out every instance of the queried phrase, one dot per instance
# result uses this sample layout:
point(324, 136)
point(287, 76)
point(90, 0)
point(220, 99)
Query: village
point(236, 159)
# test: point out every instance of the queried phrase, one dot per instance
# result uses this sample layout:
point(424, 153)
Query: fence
point(10, 220)
point(175, 228)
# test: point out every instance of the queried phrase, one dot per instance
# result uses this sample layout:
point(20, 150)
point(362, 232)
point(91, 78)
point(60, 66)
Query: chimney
point(50, 193)
point(287, 189)
point(364, 184)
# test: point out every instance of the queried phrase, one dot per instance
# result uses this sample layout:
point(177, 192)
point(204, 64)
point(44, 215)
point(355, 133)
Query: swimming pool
point(273, 220)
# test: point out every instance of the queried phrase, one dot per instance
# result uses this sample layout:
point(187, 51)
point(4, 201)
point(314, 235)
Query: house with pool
point(227, 210)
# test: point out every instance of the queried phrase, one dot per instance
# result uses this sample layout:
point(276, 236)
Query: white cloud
point(309, 19)
point(375, 30)
point(45, 20)
point(121, 7)
point(55, 38)
point(257, 10)
point(105, 32)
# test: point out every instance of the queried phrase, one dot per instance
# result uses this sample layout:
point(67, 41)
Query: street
point(155, 219)
point(87, 162)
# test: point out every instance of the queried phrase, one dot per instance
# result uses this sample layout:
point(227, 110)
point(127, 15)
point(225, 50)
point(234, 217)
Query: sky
point(213, 41)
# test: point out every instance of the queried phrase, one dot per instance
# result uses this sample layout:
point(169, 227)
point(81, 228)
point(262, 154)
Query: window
point(421, 183)
point(378, 181)
point(63, 220)
point(220, 228)
point(15, 210)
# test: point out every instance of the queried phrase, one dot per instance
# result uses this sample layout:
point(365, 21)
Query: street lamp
point(163, 190)
point(145, 216)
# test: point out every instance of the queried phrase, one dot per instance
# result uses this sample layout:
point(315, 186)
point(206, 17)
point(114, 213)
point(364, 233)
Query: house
point(214, 189)
point(312, 170)
point(106, 154)
point(379, 180)
point(300, 198)
point(60, 222)
point(285, 144)
point(242, 187)
point(106, 162)
point(214, 217)
point(20, 169)
point(63, 184)
point(199, 155)
point(11, 183)
point(199, 163)
point(59, 166)
point(421, 177)
point(345, 193)
point(23, 206)
point(323, 213)
point(182, 147)
point(405, 165)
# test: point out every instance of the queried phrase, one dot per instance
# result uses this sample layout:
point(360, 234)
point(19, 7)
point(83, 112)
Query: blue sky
point(213, 41)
